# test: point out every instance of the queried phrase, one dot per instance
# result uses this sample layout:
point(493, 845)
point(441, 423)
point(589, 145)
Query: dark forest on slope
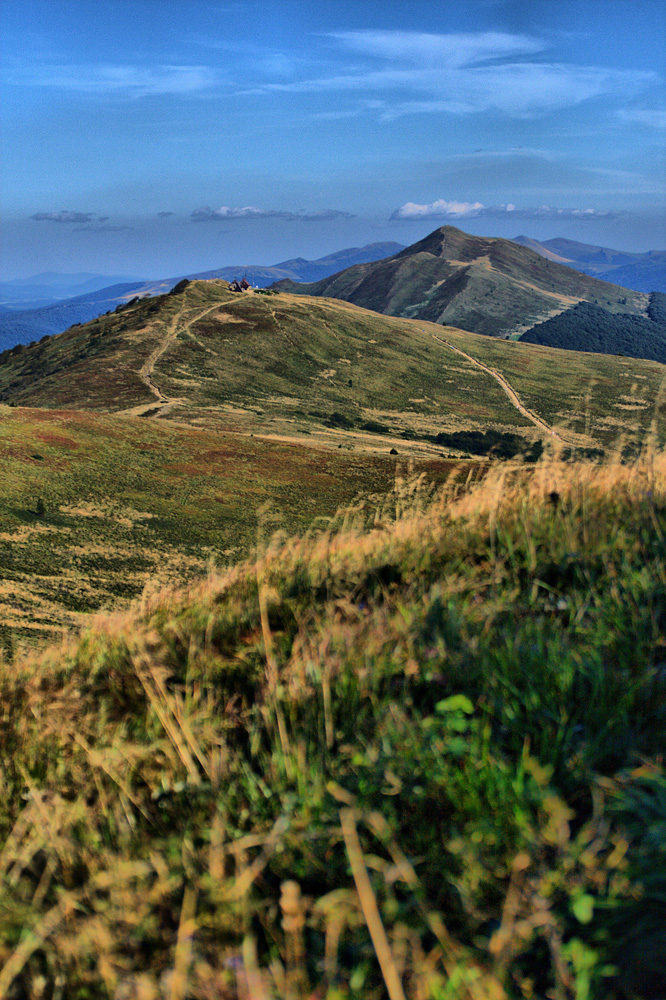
point(587, 327)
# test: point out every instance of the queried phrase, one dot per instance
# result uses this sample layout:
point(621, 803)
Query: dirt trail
point(145, 373)
point(509, 390)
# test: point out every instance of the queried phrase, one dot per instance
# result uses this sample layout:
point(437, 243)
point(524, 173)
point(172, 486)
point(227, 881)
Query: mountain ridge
point(642, 272)
point(486, 285)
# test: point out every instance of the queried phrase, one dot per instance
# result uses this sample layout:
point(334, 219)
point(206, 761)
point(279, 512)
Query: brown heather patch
point(58, 440)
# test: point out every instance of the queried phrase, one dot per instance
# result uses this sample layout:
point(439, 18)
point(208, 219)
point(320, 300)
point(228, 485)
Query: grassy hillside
point(93, 507)
point(220, 354)
point(485, 285)
point(302, 369)
point(420, 755)
point(153, 436)
point(596, 399)
point(29, 322)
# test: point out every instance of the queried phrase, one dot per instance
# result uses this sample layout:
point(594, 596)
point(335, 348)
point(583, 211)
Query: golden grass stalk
point(369, 906)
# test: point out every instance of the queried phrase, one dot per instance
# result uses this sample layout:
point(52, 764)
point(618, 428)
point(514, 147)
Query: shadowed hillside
point(485, 285)
point(588, 328)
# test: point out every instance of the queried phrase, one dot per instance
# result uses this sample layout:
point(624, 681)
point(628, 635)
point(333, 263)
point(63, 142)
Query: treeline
point(497, 444)
point(587, 327)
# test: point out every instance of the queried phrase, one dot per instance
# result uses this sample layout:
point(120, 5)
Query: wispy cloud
point(115, 79)
point(103, 228)
point(443, 209)
point(225, 213)
point(164, 215)
point(652, 117)
point(424, 49)
point(462, 73)
point(63, 216)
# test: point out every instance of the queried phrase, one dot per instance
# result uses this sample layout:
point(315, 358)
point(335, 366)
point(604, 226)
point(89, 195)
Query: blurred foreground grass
point(418, 754)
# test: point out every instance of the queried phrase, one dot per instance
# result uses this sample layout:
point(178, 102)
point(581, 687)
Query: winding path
point(509, 390)
point(145, 373)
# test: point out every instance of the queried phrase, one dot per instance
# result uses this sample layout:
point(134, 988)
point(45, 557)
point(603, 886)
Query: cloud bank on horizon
point(225, 213)
point(443, 209)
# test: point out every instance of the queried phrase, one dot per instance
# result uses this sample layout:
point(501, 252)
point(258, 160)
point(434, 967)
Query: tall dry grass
point(417, 753)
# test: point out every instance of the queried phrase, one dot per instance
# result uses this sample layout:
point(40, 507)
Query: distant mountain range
point(300, 269)
point(85, 302)
point(477, 283)
point(48, 287)
point(643, 272)
point(481, 284)
point(22, 327)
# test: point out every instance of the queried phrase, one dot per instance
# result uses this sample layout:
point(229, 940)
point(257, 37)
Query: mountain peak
point(485, 284)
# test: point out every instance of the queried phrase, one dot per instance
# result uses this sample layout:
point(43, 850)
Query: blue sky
point(161, 137)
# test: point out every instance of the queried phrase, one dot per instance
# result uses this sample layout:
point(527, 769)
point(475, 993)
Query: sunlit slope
point(601, 398)
point(93, 505)
point(483, 284)
point(207, 352)
point(293, 366)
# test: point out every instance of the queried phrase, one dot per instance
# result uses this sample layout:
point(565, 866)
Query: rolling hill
point(296, 365)
point(94, 296)
point(644, 272)
point(153, 435)
point(485, 285)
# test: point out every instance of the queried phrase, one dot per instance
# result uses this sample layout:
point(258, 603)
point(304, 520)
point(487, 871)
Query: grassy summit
point(418, 755)
point(291, 366)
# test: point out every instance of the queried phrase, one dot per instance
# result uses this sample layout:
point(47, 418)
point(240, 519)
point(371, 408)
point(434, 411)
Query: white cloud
point(225, 213)
point(443, 209)
point(440, 209)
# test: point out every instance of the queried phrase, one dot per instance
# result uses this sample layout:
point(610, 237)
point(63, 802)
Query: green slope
point(292, 367)
point(280, 363)
point(482, 284)
point(94, 506)
point(154, 435)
